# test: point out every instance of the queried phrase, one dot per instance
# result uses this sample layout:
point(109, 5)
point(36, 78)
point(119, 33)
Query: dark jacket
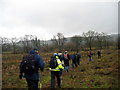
point(73, 57)
point(40, 62)
point(66, 61)
point(99, 53)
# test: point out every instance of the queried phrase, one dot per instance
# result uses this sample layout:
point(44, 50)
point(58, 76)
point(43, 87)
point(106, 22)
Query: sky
point(45, 18)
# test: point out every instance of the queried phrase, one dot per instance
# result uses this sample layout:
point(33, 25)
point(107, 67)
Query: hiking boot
point(59, 86)
point(67, 70)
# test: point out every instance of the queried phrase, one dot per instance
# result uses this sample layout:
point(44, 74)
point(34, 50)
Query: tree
point(106, 40)
point(59, 40)
point(27, 42)
point(100, 39)
point(4, 43)
point(35, 42)
point(77, 41)
point(14, 43)
point(89, 38)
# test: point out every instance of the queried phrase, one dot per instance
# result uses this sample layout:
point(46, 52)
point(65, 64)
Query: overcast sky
point(45, 18)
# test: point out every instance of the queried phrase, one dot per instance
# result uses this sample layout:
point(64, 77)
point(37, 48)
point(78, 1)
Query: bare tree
point(27, 42)
point(100, 39)
point(4, 43)
point(106, 40)
point(89, 38)
point(35, 42)
point(14, 43)
point(77, 40)
point(59, 40)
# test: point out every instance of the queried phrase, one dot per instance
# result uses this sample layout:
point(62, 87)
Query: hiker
point(66, 59)
point(78, 56)
point(74, 60)
point(29, 68)
point(55, 68)
point(90, 55)
point(99, 54)
point(60, 55)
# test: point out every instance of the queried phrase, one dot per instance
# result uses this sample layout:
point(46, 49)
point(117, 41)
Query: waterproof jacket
point(59, 67)
point(74, 59)
point(40, 62)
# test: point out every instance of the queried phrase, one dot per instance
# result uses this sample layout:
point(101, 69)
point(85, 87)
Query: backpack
point(53, 63)
point(90, 54)
point(60, 57)
point(78, 55)
point(66, 56)
point(73, 57)
point(28, 64)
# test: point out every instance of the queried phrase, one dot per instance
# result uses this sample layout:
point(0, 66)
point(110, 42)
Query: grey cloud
point(65, 17)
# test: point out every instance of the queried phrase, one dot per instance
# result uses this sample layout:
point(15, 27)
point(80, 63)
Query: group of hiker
point(32, 62)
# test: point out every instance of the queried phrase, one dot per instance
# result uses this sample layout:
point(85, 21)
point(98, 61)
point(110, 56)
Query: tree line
point(90, 39)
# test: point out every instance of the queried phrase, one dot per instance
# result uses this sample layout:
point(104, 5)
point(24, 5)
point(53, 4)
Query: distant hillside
point(114, 37)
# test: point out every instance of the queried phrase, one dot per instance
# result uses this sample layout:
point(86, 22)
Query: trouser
point(57, 75)
point(32, 84)
point(90, 58)
point(78, 61)
point(99, 56)
point(66, 62)
point(66, 68)
point(74, 65)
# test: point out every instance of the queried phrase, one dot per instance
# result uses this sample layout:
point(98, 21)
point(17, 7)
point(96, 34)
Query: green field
point(100, 73)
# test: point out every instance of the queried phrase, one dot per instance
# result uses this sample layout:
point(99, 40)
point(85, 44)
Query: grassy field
point(99, 73)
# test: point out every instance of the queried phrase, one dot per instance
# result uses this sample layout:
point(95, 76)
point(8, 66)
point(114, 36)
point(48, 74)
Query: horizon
point(52, 37)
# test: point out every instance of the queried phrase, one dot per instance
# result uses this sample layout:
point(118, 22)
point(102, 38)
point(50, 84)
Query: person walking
point(78, 57)
point(90, 55)
point(55, 68)
point(60, 55)
point(74, 60)
point(66, 58)
point(99, 54)
point(29, 68)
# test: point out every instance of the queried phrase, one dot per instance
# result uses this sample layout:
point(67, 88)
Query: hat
point(65, 51)
point(32, 52)
point(55, 54)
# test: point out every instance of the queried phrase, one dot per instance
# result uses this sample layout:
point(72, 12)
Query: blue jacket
point(73, 57)
point(35, 76)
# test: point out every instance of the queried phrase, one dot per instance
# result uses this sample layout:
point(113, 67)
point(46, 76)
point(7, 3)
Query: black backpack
point(78, 55)
point(28, 64)
point(53, 63)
